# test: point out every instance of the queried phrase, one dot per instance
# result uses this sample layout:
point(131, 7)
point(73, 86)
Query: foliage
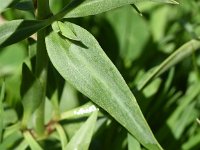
point(98, 75)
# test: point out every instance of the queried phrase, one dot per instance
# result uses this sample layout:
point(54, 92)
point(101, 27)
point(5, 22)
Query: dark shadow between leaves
point(24, 30)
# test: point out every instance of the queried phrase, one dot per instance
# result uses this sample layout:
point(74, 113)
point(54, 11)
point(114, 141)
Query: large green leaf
point(85, 65)
point(17, 30)
point(82, 138)
point(93, 7)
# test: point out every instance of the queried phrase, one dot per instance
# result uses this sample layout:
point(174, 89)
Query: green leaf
point(87, 68)
point(10, 141)
point(93, 7)
point(131, 40)
point(2, 93)
point(17, 30)
point(82, 138)
point(180, 54)
point(22, 146)
point(5, 4)
point(66, 31)
point(133, 144)
point(82, 111)
point(31, 92)
point(31, 141)
point(63, 137)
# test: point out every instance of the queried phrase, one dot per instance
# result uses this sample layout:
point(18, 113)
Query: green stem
point(43, 12)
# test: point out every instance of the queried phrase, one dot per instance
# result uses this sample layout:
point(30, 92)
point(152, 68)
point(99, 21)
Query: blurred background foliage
point(135, 44)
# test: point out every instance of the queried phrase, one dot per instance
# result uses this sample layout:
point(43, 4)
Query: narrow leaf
point(31, 92)
point(82, 138)
point(87, 68)
point(62, 135)
point(31, 141)
point(17, 30)
point(81, 111)
point(93, 7)
point(180, 54)
point(22, 146)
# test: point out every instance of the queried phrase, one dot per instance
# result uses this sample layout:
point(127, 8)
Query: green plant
point(66, 51)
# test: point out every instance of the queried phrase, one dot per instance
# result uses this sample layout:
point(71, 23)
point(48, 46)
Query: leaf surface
point(93, 7)
point(85, 65)
point(82, 138)
point(34, 145)
point(31, 92)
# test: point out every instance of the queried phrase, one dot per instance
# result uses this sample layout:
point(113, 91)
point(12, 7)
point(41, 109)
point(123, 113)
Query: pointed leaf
point(31, 92)
point(82, 138)
point(93, 7)
point(87, 68)
point(63, 137)
point(31, 141)
point(17, 30)
point(180, 54)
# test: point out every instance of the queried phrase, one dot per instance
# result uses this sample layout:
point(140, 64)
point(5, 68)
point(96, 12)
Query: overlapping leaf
point(31, 92)
point(82, 138)
point(86, 67)
point(31, 141)
point(17, 30)
point(181, 53)
point(93, 7)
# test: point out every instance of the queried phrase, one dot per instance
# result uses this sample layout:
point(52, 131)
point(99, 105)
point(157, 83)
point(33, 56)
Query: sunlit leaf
point(5, 4)
point(66, 31)
point(133, 144)
point(31, 141)
point(9, 141)
point(93, 7)
point(22, 146)
point(86, 67)
point(63, 137)
point(82, 138)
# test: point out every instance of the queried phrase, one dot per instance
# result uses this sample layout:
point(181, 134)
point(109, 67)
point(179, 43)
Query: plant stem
point(43, 12)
